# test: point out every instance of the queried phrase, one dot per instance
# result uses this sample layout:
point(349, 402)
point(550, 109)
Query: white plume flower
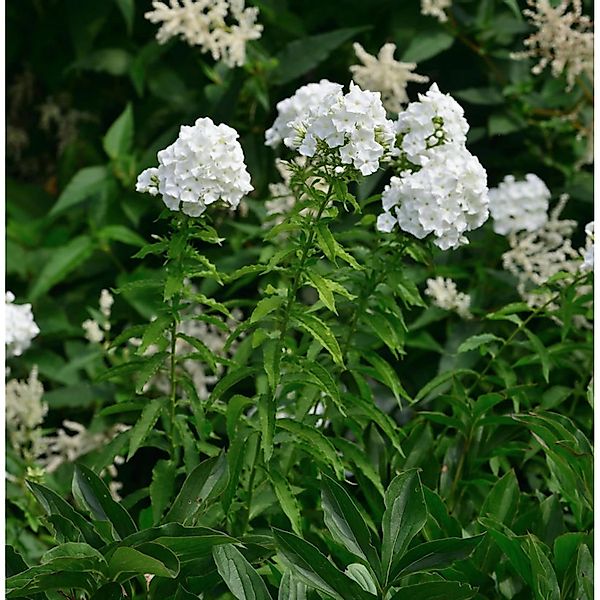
point(588, 251)
point(444, 294)
point(383, 74)
point(344, 130)
point(20, 326)
point(305, 98)
point(446, 197)
point(220, 27)
point(519, 205)
point(564, 39)
point(436, 8)
point(434, 120)
point(203, 165)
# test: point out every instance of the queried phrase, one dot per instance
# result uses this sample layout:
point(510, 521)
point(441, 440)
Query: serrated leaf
point(287, 499)
point(144, 425)
point(476, 341)
point(147, 370)
point(541, 352)
point(162, 487)
point(154, 330)
point(323, 289)
point(321, 332)
point(266, 416)
point(265, 307)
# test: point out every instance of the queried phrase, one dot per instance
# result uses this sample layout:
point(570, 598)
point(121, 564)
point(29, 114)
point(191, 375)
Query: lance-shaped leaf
point(94, 494)
point(405, 515)
point(320, 332)
point(345, 522)
point(150, 558)
point(309, 565)
point(291, 588)
point(435, 590)
point(240, 576)
point(207, 480)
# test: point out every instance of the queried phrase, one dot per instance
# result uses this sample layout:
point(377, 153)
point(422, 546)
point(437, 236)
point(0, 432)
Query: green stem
point(246, 519)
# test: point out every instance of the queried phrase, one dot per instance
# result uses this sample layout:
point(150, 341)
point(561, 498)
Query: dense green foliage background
point(504, 452)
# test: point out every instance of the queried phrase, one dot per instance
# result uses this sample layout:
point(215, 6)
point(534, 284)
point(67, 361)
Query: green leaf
point(241, 578)
point(315, 441)
point(323, 289)
point(321, 332)
point(300, 56)
point(144, 425)
point(14, 563)
point(438, 554)
point(502, 502)
point(346, 523)
point(481, 96)
point(162, 487)
point(387, 375)
point(120, 233)
point(95, 495)
point(119, 138)
point(266, 416)
point(153, 332)
point(88, 182)
point(405, 515)
point(440, 379)
point(585, 574)
point(287, 499)
point(426, 45)
point(147, 370)
point(291, 588)
point(435, 590)
point(145, 559)
point(63, 261)
point(231, 379)
point(359, 573)
point(313, 568)
point(544, 582)
point(205, 353)
point(264, 307)
point(127, 8)
point(206, 481)
point(541, 352)
point(476, 341)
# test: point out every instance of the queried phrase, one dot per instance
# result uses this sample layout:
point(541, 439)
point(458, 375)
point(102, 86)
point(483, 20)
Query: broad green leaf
point(264, 307)
point(435, 590)
point(162, 487)
point(427, 45)
point(149, 558)
point(502, 502)
point(585, 574)
point(300, 56)
point(144, 425)
point(544, 582)
point(63, 261)
point(241, 578)
point(119, 138)
point(95, 495)
point(476, 341)
point(291, 588)
point(14, 563)
point(88, 182)
point(437, 554)
point(120, 233)
point(315, 441)
point(206, 481)
point(359, 573)
point(308, 564)
point(405, 515)
point(345, 522)
point(321, 332)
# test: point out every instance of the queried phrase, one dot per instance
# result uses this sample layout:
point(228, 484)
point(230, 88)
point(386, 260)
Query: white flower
point(343, 129)
point(203, 165)
point(434, 120)
point(383, 74)
point(221, 27)
point(436, 8)
point(289, 110)
point(564, 39)
point(588, 251)
point(20, 326)
point(519, 205)
point(93, 331)
point(536, 256)
point(447, 197)
point(444, 294)
point(106, 302)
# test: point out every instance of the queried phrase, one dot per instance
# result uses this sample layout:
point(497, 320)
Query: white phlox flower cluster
point(96, 332)
point(220, 27)
point(441, 188)
point(305, 99)
point(383, 74)
point(588, 251)
point(434, 120)
point(444, 294)
point(204, 164)
point(20, 326)
point(564, 39)
point(436, 8)
point(25, 412)
point(519, 205)
point(446, 197)
point(342, 130)
point(536, 256)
